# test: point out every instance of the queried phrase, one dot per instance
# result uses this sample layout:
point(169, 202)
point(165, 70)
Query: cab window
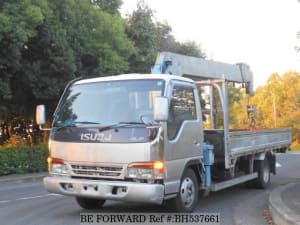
point(182, 108)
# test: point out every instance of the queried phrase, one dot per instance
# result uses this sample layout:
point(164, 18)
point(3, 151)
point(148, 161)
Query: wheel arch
point(197, 167)
point(271, 157)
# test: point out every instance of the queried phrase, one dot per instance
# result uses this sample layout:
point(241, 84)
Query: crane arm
point(202, 69)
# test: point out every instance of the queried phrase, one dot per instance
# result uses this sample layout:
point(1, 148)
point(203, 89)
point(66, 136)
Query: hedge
point(23, 160)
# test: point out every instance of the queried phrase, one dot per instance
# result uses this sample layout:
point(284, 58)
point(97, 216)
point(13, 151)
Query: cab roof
point(165, 77)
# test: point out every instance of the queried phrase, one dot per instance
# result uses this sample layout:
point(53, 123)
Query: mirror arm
point(155, 126)
point(44, 129)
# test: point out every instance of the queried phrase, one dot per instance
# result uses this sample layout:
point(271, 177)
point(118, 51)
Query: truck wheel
point(263, 169)
point(187, 197)
point(90, 203)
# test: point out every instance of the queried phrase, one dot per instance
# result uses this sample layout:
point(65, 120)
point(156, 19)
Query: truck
point(141, 138)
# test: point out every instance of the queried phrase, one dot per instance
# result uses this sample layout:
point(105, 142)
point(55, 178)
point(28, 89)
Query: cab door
point(184, 134)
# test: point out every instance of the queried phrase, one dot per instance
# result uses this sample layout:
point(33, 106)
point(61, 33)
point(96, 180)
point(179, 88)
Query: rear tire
point(262, 167)
point(90, 203)
point(187, 197)
point(264, 173)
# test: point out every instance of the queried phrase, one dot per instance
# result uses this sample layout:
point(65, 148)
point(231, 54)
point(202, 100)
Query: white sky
point(261, 33)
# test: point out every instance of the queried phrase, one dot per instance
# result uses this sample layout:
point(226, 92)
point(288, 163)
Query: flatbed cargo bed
point(245, 142)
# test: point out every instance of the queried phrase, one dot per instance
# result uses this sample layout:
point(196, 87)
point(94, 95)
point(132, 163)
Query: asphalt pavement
point(284, 204)
point(284, 201)
point(21, 178)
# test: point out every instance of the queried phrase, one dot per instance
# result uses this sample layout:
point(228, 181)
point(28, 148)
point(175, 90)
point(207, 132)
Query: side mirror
point(40, 115)
point(161, 109)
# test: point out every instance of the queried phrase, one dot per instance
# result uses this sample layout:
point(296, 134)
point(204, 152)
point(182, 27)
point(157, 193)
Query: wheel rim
point(187, 192)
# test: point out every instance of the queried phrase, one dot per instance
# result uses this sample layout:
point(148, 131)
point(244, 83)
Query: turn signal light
point(156, 165)
point(55, 160)
point(52, 161)
point(159, 165)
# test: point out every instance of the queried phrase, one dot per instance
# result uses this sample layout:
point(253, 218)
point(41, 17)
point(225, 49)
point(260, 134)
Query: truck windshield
point(107, 103)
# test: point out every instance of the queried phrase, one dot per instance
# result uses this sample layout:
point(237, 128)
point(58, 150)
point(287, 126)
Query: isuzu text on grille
point(95, 137)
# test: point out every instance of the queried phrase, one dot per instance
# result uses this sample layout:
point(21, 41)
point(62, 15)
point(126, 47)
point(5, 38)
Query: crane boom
point(202, 69)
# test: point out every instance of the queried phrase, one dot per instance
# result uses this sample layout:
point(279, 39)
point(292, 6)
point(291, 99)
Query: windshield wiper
point(66, 126)
point(85, 122)
point(120, 124)
point(74, 124)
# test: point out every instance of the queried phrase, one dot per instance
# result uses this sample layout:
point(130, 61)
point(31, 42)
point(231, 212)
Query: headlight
point(140, 173)
point(146, 170)
point(57, 166)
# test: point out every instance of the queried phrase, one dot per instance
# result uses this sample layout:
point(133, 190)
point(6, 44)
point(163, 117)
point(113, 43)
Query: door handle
point(197, 143)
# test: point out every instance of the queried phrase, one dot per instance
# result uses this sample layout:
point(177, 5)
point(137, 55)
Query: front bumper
point(109, 190)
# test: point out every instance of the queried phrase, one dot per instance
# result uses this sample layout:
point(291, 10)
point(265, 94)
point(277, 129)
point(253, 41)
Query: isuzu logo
point(95, 137)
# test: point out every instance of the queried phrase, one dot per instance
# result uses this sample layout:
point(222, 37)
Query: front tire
point(187, 197)
point(90, 203)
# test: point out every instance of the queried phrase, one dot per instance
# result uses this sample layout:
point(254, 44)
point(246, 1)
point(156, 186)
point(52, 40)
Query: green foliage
point(110, 6)
point(190, 48)
point(44, 44)
point(23, 160)
point(142, 30)
point(167, 42)
point(150, 37)
point(18, 23)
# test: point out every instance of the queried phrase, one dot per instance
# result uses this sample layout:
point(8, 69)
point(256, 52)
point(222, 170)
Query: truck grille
point(97, 171)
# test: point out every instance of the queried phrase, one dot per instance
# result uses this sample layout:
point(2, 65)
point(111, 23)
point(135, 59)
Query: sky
point(261, 33)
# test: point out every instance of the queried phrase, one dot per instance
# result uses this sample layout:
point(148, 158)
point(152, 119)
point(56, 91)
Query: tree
point(282, 92)
point(97, 38)
point(190, 48)
point(110, 6)
point(44, 44)
point(237, 108)
point(277, 104)
point(143, 32)
point(238, 102)
point(18, 23)
point(167, 42)
point(150, 37)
